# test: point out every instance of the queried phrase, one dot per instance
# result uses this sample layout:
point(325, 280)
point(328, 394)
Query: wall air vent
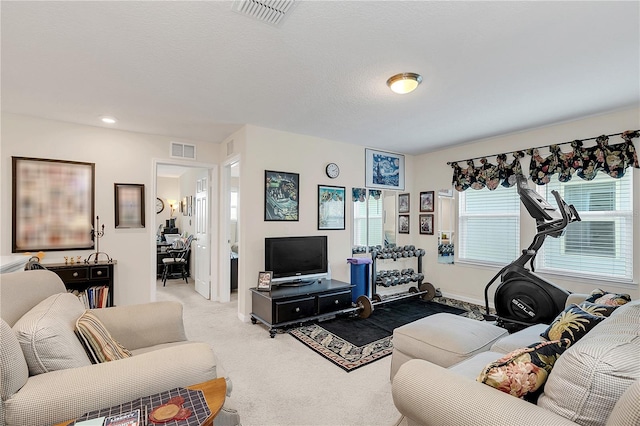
point(230, 147)
point(183, 150)
point(271, 12)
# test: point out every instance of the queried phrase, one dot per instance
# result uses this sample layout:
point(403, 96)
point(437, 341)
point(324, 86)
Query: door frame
point(224, 275)
point(213, 217)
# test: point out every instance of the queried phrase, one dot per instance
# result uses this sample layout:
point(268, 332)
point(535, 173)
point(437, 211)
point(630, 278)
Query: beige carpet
point(279, 381)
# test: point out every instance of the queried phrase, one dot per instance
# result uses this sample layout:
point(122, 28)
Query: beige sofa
point(594, 382)
point(162, 357)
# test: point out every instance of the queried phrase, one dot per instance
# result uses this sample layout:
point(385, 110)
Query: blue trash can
point(359, 276)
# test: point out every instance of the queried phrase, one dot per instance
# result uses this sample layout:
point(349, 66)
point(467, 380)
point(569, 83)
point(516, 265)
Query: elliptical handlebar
point(569, 214)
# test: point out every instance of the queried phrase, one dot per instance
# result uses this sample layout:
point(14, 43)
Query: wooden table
point(214, 392)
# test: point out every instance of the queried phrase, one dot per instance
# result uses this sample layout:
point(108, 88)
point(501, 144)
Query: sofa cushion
point(519, 339)
point(523, 372)
point(591, 376)
point(98, 341)
point(13, 368)
point(572, 323)
point(46, 335)
point(606, 298)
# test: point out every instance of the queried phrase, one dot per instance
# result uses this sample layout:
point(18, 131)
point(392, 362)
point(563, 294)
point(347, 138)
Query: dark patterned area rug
point(351, 342)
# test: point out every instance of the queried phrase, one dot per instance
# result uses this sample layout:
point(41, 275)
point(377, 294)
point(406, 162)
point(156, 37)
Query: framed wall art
point(403, 203)
point(403, 224)
point(129, 203)
point(384, 170)
point(426, 201)
point(331, 207)
point(281, 195)
point(426, 224)
point(52, 204)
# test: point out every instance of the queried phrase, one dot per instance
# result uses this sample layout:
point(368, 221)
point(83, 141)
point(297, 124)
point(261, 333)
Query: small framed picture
point(426, 201)
point(331, 207)
point(129, 203)
point(264, 280)
point(426, 224)
point(403, 224)
point(403, 203)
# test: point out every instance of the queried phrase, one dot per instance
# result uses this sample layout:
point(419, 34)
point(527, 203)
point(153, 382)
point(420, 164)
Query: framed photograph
point(403, 203)
point(129, 203)
point(264, 280)
point(331, 207)
point(403, 224)
point(183, 206)
point(281, 195)
point(383, 170)
point(426, 224)
point(52, 204)
point(426, 201)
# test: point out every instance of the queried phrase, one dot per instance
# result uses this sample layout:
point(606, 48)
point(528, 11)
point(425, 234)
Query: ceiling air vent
point(183, 150)
point(268, 11)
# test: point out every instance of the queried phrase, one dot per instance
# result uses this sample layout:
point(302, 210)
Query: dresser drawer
point(99, 272)
point(73, 274)
point(334, 301)
point(295, 309)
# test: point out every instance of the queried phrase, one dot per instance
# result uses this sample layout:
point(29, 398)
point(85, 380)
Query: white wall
point(433, 173)
point(122, 157)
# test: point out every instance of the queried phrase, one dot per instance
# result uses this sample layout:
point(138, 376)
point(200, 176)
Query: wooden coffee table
point(214, 392)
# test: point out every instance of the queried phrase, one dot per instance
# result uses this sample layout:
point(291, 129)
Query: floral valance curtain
point(583, 162)
point(360, 194)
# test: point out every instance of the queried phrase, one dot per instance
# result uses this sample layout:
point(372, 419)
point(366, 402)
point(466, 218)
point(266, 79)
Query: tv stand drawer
point(334, 301)
point(295, 309)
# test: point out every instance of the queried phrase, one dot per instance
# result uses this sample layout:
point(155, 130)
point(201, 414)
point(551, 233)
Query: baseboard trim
point(467, 299)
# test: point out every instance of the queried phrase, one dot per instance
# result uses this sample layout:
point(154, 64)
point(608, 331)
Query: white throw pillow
point(46, 335)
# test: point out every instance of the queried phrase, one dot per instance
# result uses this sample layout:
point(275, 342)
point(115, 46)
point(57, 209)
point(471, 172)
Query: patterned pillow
point(572, 323)
point(523, 372)
point(602, 297)
point(596, 309)
point(98, 341)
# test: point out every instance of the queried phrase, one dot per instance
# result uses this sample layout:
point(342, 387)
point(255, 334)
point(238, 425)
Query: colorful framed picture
point(383, 170)
point(281, 195)
point(403, 224)
point(403, 203)
point(129, 204)
point(426, 224)
point(426, 201)
point(264, 280)
point(331, 207)
point(52, 204)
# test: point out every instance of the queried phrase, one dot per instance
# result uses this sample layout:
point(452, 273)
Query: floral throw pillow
point(572, 323)
point(523, 372)
point(597, 309)
point(602, 297)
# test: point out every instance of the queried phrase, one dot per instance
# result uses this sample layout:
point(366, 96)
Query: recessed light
point(404, 83)
point(108, 120)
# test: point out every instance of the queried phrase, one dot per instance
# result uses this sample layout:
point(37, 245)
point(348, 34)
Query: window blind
point(489, 226)
point(368, 219)
point(601, 245)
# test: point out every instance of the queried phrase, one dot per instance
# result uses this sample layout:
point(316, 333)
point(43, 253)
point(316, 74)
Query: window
point(233, 205)
point(375, 222)
point(601, 245)
point(489, 226)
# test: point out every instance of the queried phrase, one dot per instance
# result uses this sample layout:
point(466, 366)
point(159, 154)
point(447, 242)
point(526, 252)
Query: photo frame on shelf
point(403, 203)
point(281, 195)
point(264, 280)
point(426, 224)
point(426, 201)
point(129, 205)
point(403, 224)
point(331, 207)
point(63, 189)
point(384, 170)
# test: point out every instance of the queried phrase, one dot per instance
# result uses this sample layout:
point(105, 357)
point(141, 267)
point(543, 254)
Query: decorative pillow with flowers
point(597, 309)
point(602, 297)
point(523, 372)
point(572, 323)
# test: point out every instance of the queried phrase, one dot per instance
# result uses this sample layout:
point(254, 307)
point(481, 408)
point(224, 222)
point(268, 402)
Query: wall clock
point(332, 170)
point(159, 205)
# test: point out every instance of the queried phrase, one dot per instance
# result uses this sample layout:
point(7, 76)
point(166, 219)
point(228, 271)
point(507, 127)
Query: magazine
point(132, 418)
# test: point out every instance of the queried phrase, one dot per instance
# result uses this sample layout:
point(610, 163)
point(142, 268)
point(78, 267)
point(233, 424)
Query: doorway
point(187, 193)
point(230, 254)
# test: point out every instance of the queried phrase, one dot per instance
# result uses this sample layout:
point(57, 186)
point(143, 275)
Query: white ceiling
point(199, 71)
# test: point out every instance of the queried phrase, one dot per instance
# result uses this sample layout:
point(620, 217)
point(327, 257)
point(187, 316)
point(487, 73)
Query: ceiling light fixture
point(108, 120)
point(404, 83)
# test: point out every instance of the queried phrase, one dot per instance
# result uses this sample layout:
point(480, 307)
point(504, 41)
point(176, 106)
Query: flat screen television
point(296, 260)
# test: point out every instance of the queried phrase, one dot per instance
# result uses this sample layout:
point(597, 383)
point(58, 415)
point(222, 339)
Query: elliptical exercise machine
point(524, 298)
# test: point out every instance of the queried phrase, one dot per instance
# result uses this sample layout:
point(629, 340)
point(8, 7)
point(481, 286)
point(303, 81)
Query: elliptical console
point(524, 298)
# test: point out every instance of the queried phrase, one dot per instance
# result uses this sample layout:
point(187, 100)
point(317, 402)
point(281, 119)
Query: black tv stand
point(296, 283)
